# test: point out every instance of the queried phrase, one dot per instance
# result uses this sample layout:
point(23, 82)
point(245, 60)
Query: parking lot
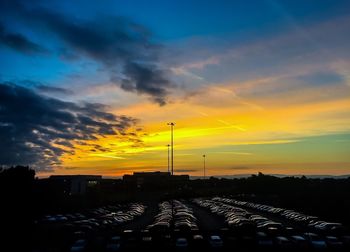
point(208, 224)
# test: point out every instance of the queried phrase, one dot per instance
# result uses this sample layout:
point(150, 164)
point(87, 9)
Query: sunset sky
point(88, 87)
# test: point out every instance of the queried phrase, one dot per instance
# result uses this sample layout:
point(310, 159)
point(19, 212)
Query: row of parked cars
point(300, 237)
point(173, 215)
point(111, 217)
point(144, 240)
point(75, 230)
point(177, 224)
point(115, 215)
point(313, 223)
point(239, 220)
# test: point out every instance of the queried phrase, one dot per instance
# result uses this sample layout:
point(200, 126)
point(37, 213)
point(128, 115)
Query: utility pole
point(172, 124)
point(168, 158)
point(203, 166)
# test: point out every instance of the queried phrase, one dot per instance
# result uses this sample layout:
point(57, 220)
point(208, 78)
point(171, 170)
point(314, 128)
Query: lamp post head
point(171, 123)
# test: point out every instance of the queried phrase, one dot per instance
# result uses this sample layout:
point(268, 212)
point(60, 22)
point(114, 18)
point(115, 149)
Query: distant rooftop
point(75, 177)
point(150, 173)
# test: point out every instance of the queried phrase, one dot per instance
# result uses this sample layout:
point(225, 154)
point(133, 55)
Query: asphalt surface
point(206, 220)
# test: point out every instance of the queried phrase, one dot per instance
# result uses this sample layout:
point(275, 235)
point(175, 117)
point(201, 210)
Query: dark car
point(264, 241)
point(283, 243)
point(198, 243)
point(299, 242)
point(334, 243)
point(315, 241)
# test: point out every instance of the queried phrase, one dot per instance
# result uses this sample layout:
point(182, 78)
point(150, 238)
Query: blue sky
point(176, 20)
point(219, 24)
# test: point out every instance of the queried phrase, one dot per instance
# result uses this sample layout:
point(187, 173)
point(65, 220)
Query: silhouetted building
point(75, 184)
point(147, 179)
point(140, 179)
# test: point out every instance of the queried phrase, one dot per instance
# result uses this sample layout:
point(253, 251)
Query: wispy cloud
point(19, 42)
point(240, 168)
point(184, 72)
point(234, 153)
point(262, 142)
point(106, 155)
point(231, 125)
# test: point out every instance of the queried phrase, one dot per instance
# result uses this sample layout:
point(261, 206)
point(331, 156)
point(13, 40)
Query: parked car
point(264, 241)
point(283, 243)
point(315, 241)
point(181, 243)
point(78, 246)
point(334, 243)
point(299, 242)
point(215, 241)
point(114, 244)
point(198, 242)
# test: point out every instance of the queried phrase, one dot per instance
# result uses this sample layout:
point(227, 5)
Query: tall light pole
point(172, 124)
point(203, 166)
point(168, 158)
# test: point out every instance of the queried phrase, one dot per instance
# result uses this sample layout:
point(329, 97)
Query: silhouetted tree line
point(16, 190)
point(17, 204)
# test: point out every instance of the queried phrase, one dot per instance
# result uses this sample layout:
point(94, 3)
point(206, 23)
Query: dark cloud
point(43, 88)
point(19, 42)
point(185, 170)
point(146, 79)
point(322, 78)
point(36, 130)
point(51, 89)
point(125, 48)
point(240, 168)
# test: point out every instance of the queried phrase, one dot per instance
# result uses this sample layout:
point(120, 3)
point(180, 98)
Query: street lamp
point(168, 158)
point(204, 166)
point(172, 124)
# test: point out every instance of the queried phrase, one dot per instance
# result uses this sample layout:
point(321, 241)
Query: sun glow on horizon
point(232, 135)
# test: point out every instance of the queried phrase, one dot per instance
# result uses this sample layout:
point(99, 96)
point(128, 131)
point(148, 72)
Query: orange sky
point(238, 135)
